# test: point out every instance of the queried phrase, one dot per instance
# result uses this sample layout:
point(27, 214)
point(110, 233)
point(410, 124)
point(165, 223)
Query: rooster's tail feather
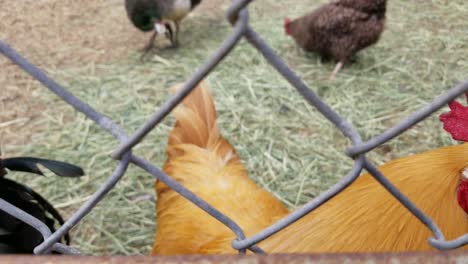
point(196, 123)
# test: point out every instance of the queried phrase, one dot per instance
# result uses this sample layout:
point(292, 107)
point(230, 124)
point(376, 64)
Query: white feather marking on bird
point(465, 174)
point(159, 28)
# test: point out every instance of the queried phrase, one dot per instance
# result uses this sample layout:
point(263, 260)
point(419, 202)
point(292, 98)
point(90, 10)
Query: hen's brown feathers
point(374, 7)
point(341, 28)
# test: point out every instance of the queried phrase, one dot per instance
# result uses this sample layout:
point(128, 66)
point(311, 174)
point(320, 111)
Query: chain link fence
point(238, 16)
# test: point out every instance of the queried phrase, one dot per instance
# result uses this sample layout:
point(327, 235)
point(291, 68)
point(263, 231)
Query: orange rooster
point(204, 162)
point(362, 218)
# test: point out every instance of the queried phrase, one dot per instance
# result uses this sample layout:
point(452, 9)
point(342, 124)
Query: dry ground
point(56, 35)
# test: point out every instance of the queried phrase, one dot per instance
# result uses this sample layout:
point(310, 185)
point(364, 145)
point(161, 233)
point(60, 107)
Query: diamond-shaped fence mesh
point(238, 16)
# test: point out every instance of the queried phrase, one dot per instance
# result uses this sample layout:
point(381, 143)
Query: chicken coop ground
point(289, 149)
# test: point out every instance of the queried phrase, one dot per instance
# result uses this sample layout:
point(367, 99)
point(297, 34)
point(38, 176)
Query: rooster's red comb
point(456, 121)
point(287, 21)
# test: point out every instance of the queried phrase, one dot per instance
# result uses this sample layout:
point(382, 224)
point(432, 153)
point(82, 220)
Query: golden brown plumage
point(362, 218)
point(203, 161)
point(365, 217)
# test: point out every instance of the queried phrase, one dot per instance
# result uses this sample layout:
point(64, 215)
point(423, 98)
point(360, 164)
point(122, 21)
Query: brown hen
point(339, 29)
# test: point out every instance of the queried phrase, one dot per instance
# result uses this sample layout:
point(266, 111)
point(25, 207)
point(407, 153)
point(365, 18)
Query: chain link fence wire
point(238, 16)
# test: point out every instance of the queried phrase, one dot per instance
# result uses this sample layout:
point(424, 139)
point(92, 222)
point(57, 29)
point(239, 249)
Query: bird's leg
point(169, 32)
point(337, 69)
point(175, 36)
point(150, 44)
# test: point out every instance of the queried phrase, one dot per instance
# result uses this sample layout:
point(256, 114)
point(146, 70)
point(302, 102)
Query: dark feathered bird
point(339, 29)
point(156, 15)
point(17, 237)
